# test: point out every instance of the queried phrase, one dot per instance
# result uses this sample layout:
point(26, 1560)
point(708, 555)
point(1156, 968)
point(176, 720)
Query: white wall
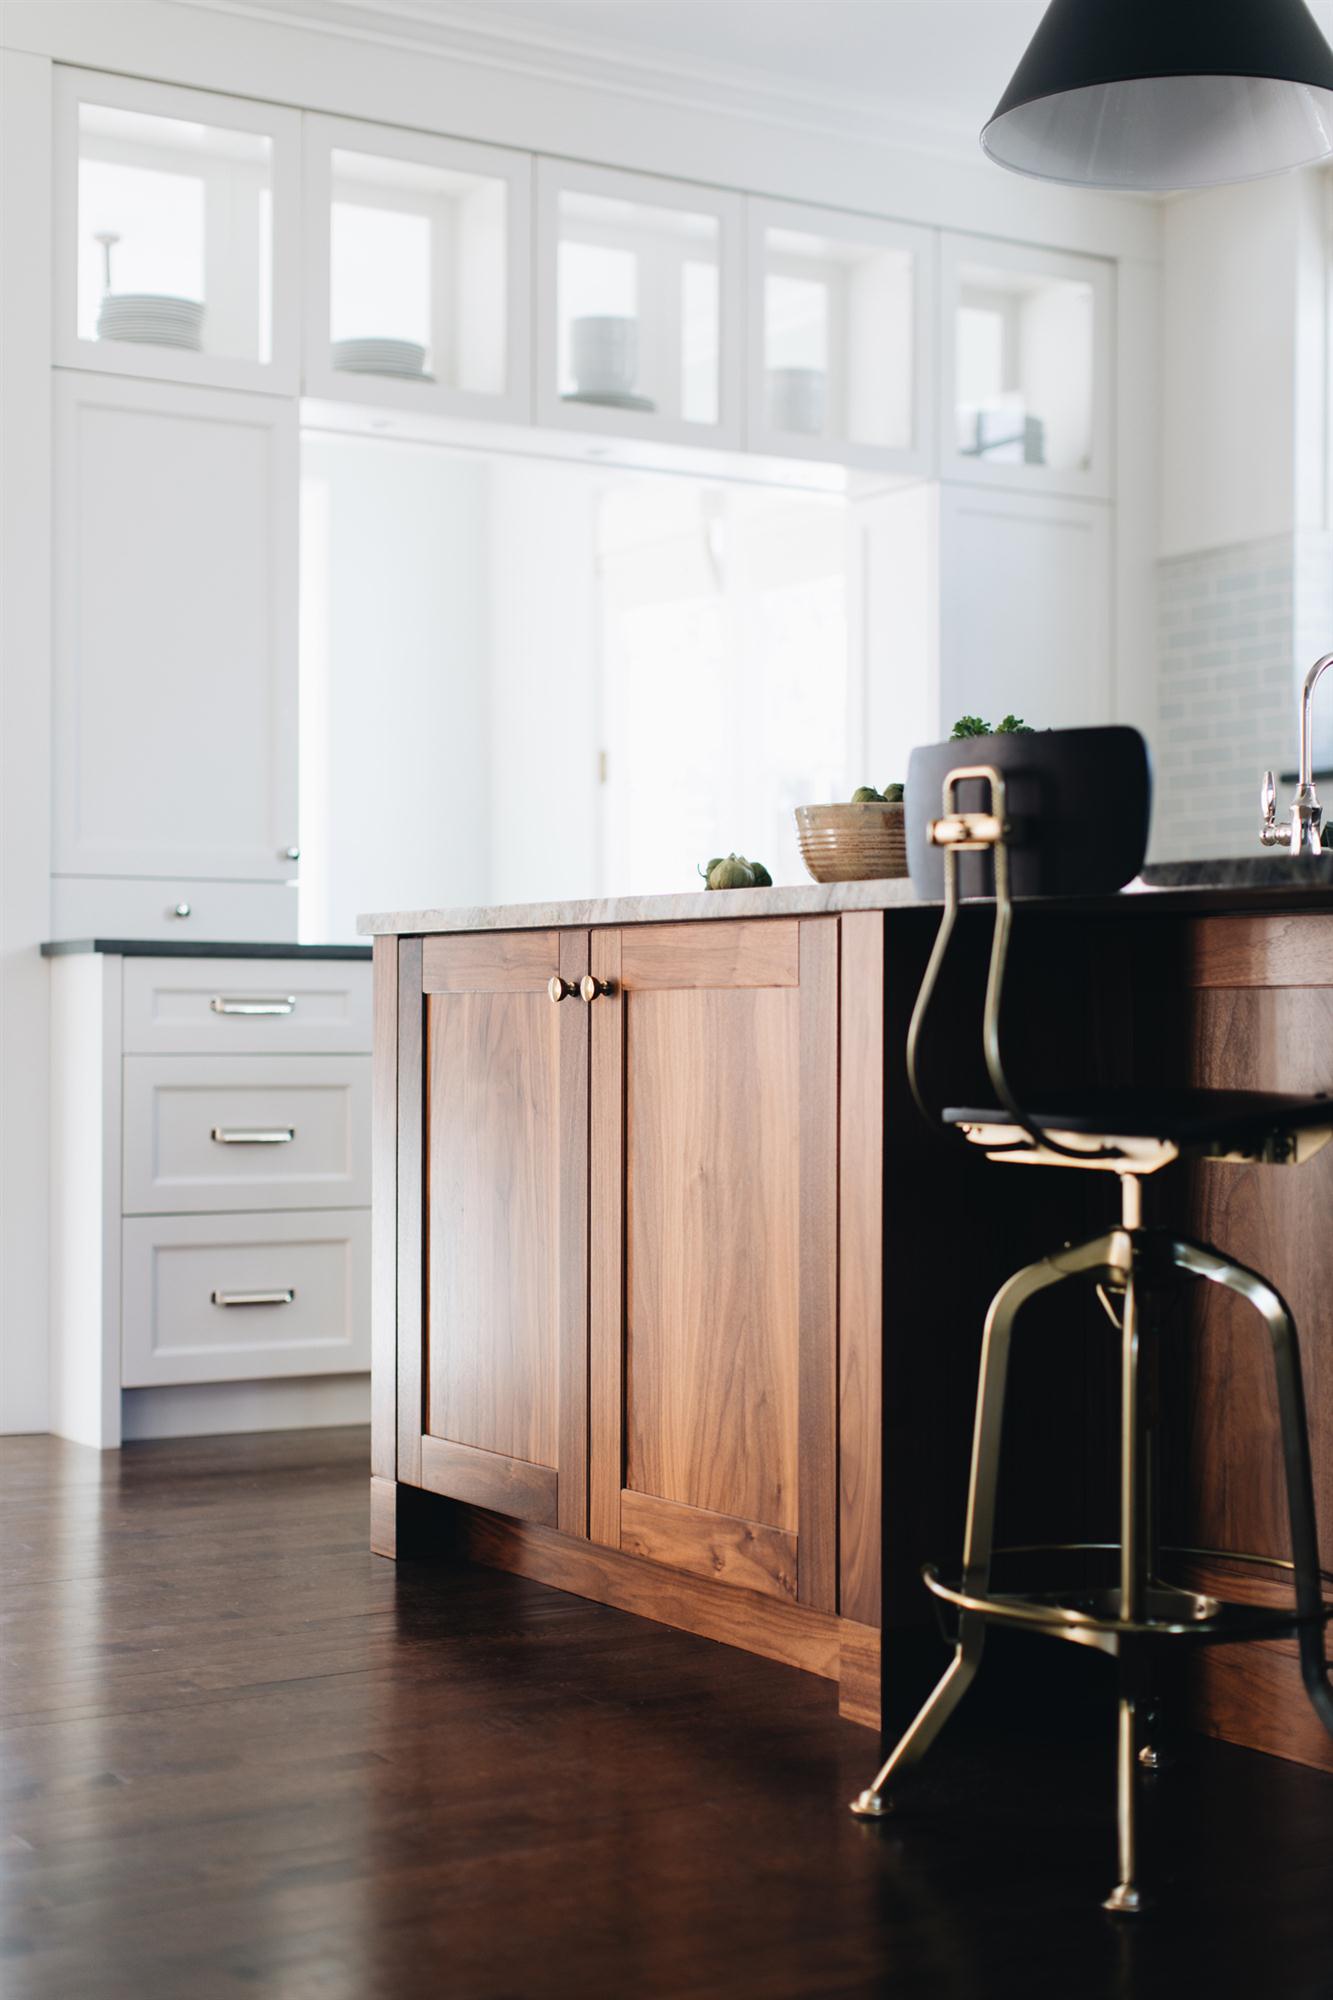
point(396, 614)
point(1244, 580)
point(545, 682)
point(25, 736)
point(1243, 363)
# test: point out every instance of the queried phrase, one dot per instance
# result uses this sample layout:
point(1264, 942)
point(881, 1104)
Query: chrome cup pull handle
point(222, 1005)
point(284, 1297)
point(278, 1135)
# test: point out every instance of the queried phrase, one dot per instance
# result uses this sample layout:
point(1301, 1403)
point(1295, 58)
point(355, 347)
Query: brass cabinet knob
point(590, 988)
point(558, 988)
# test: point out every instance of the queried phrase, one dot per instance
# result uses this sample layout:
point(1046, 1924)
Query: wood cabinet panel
point(861, 1266)
point(711, 1545)
point(500, 1095)
point(493, 1116)
point(490, 962)
point(488, 1479)
point(712, 1220)
point(713, 1252)
point(682, 957)
point(411, 1185)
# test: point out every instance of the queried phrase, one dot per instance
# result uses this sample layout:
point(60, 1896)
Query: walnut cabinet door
point(713, 1251)
point(493, 1096)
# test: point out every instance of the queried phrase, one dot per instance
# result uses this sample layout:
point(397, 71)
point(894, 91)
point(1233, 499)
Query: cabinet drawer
point(250, 1006)
point(101, 907)
point(233, 1132)
point(215, 1298)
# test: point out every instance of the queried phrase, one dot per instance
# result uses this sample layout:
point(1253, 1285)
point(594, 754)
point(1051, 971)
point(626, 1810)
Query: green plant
point(866, 795)
point(972, 725)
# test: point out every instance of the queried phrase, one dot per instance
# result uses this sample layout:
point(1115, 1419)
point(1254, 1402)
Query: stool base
point(1126, 1621)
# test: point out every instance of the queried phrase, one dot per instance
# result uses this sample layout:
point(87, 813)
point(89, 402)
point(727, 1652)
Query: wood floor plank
point(242, 1754)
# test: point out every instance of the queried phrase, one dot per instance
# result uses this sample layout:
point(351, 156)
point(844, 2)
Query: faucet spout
point(1312, 680)
point(1306, 835)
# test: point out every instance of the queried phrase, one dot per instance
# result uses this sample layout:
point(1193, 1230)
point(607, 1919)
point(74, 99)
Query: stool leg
point(1206, 1262)
point(980, 1532)
point(1127, 1898)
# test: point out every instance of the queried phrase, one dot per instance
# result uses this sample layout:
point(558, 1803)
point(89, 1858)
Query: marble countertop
point(1268, 882)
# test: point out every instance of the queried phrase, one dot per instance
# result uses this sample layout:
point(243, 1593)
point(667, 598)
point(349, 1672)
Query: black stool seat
point(1180, 1117)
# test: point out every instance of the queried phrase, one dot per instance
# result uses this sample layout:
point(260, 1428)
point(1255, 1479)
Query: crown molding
point(599, 63)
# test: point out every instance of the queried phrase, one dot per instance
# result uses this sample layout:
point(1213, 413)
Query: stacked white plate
point(374, 355)
point(157, 317)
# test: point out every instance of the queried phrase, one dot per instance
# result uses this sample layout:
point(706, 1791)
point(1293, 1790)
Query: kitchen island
point(678, 1301)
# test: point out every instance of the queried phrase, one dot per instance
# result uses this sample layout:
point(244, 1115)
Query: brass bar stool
point(1066, 813)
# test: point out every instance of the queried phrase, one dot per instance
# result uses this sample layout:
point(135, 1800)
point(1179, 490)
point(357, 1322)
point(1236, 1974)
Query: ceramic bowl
point(847, 843)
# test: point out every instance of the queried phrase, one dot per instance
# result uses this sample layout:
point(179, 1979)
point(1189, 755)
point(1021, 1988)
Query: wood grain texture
point(490, 962)
point(861, 1267)
point(817, 1389)
point(488, 1479)
point(1253, 1694)
point(411, 1323)
point(717, 1546)
point(859, 1673)
point(384, 1516)
point(496, 1149)
point(749, 952)
point(244, 1758)
point(1265, 951)
point(712, 1208)
point(573, 1027)
point(384, 1214)
point(1275, 1219)
point(758, 1624)
point(606, 1276)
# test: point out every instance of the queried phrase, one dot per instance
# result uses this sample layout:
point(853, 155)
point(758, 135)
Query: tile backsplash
point(1236, 629)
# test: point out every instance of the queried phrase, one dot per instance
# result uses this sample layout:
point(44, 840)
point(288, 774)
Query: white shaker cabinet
point(176, 512)
point(210, 1228)
point(1026, 367)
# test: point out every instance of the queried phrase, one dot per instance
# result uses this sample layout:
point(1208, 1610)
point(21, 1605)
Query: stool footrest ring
point(1090, 1617)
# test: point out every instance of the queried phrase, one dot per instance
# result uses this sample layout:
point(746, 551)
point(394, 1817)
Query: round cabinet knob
point(558, 988)
point(290, 854)
point(590, 988)
point(180, 910)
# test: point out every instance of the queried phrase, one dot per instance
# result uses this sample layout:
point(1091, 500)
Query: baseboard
point(212, 1409)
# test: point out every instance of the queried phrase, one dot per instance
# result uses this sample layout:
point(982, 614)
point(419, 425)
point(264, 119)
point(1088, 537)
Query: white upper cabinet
point(177, 234)
point(639, 300)
point(175, 631)
point(417, 271)
point(1025, 391)
point(840, 310)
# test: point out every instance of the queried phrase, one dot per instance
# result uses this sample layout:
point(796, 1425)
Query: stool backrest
point(1077, 801)
point(1059, 812)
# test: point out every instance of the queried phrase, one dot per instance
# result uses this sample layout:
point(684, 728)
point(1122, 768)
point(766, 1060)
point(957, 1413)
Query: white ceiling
point(940, 63)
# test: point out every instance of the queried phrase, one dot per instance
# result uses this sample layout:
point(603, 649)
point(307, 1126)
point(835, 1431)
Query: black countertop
point(199, 948)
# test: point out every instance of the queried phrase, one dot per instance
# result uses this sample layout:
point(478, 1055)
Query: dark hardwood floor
point(240, 1755)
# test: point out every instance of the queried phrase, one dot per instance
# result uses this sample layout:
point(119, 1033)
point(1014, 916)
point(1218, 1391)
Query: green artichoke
point(866, 795)
point(893, 795)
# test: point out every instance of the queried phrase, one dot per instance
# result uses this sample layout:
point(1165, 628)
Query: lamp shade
point(1158, 94)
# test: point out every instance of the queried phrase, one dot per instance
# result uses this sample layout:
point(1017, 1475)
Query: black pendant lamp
point(1159, 94)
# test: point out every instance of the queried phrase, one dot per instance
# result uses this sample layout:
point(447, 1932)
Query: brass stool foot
point(1125, 1900)
point(871, 1804)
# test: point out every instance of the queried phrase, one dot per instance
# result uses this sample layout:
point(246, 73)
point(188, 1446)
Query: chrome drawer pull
point(278, 1136)
point(286, 1298)
point(223, 1006)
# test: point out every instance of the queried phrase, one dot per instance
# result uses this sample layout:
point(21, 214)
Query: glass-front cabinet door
point(1026, 341)
point(417, 259)
point(177, 234)
point(639, 299)
point(840, 309)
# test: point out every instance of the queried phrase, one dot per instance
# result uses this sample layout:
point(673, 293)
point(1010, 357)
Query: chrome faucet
point(1305, 834)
